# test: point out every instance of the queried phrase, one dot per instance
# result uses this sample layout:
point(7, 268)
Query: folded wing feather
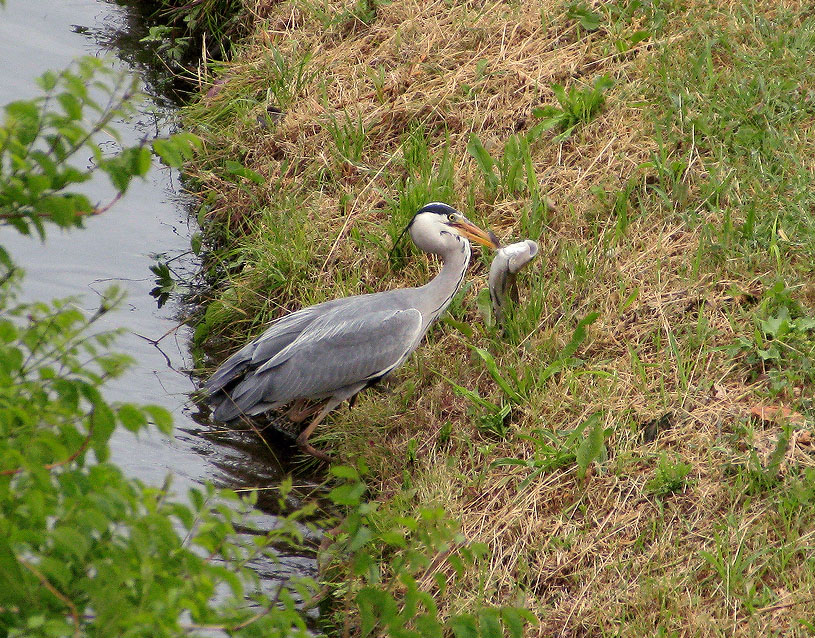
point(337, 350)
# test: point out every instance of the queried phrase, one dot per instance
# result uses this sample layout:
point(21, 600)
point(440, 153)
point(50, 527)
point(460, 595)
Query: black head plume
point(436, 207)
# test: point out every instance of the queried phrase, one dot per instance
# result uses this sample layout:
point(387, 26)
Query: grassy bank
point(654, 474)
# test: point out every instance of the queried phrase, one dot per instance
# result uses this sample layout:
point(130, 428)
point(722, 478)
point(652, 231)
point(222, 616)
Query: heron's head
point(438, 228)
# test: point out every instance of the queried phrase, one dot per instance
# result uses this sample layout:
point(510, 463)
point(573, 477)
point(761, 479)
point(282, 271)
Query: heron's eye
point(452, 217)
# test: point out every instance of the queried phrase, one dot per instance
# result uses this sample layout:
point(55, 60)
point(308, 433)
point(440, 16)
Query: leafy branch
point(40, 140)
point(122, 558)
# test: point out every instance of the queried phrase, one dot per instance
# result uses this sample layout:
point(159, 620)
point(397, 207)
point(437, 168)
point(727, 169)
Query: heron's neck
point(439, 292)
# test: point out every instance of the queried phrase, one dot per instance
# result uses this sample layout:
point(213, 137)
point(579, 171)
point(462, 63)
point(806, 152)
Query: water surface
point(118, 248)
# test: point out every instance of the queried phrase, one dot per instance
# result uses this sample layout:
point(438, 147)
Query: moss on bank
point(680, 212)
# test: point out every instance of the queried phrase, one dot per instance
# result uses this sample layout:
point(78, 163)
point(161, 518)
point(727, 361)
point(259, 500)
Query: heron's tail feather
point(225, 410)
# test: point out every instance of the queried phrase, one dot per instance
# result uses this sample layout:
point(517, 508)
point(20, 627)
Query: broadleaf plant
point(85, 550)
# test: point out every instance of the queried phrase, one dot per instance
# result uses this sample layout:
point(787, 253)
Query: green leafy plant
point(492, 368)
point(667, 176)
point(566, 358)
point(581, 446)
point(629, 41)
point(364, 11)
point(782, 345)
point(163, 38)
point(445, 432)
point(167, 281)
point(577, 106)
point(391, 570)
point(759, 474)
point(512, 173)
point(183, 26)
point(40, 140)
point(669, 477)
point(631, 22)
point(85, 550)
point(493, 423)
point(490, 418)
point(623, 14)
point(585, 17)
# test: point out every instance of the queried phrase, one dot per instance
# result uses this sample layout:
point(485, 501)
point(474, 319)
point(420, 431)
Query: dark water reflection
point(119, 247)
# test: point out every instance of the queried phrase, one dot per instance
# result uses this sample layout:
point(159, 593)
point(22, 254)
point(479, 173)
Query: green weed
point(629, 41)
point(445, 432)
point(781, 345)
point(481, 72)
point(737, 566)
point(361, 14)
point(427, 176)
point(492, 367)
point(583, 15)
point(669, 477)
point(577, 106)
point(222, 22)
point(565, 358)
point(581, 446)
point(618, 205)
point(630, 22)
point(377, 77)
point(364, 12)
point(161, 37)
point(285, 77)
point(490, 418)
point(494, 424)
point(666, 177)
point(512, 173)
point(349, 136)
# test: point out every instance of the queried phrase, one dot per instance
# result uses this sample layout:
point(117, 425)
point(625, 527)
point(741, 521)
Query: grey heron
point(315, 358)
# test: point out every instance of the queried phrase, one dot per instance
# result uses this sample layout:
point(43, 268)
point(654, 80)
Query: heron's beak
point(474, 233)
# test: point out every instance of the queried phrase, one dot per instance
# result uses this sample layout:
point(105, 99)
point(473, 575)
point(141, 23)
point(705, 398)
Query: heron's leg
point(299, 412)
point(302, 440)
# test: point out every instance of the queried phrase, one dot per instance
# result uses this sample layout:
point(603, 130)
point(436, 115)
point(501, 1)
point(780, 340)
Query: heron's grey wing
point(339, 350)
point(268, 344)
point(277, 336)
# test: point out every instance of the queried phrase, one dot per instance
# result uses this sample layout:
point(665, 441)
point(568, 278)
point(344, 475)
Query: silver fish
point(506, 264)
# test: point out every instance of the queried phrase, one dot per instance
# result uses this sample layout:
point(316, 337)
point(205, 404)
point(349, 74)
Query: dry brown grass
point(603, 556)
point(428, 52)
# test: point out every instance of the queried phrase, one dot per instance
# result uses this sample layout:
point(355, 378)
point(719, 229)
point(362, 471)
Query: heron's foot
point(307, 448)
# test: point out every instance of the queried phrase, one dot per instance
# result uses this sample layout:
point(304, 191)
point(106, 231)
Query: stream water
point(118, 248)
